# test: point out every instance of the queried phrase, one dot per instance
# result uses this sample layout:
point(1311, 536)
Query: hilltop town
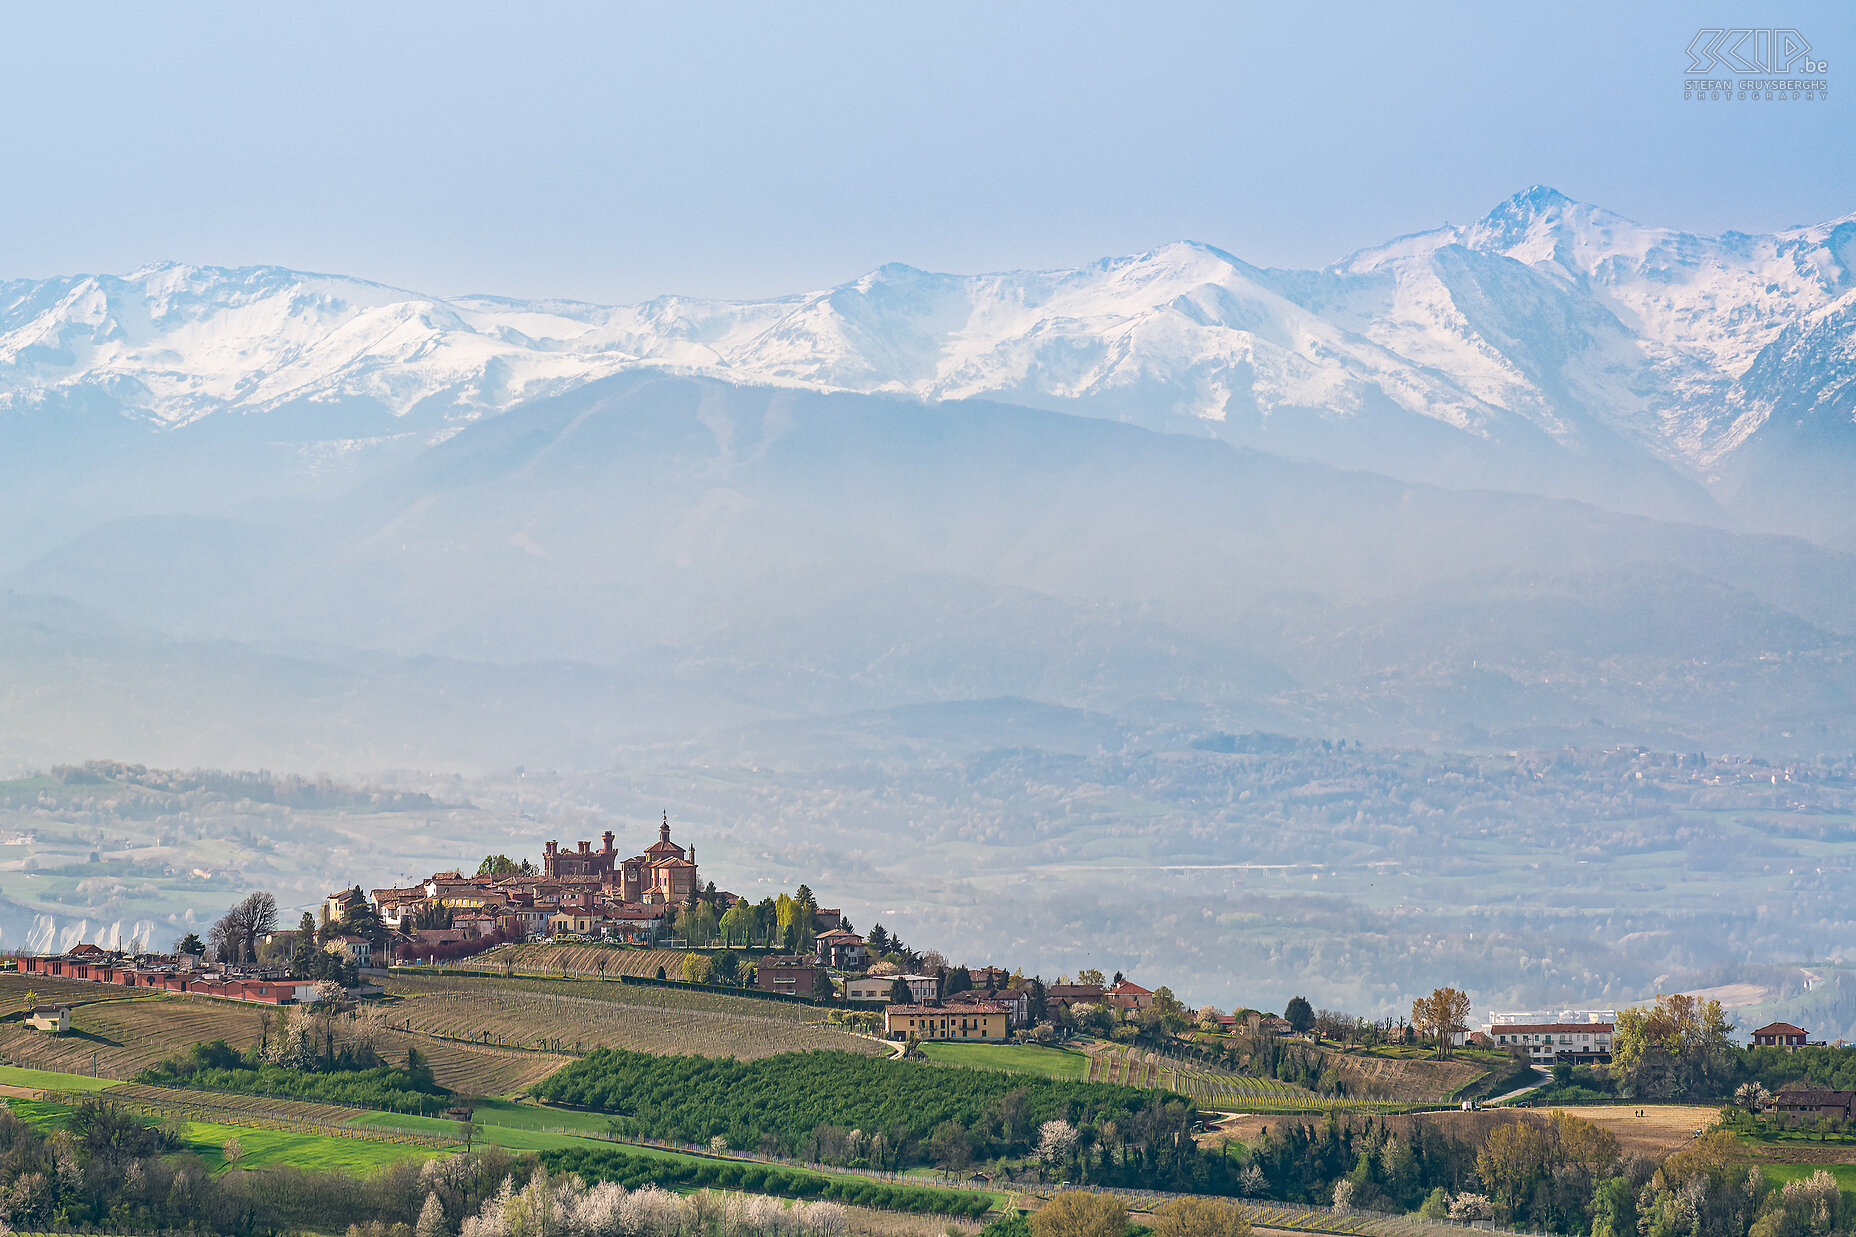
point(566, 992)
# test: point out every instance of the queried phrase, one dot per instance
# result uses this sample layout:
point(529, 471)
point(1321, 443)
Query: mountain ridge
point(1550, 346)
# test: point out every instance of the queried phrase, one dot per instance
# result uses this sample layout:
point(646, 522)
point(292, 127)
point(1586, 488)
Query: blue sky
point(611, 152)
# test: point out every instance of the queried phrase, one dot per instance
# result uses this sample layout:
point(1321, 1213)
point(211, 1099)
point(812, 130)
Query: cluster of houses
point(582, 893)
point(170, 973)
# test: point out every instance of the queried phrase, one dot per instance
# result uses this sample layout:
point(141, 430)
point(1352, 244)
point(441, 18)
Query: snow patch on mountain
point(1546, 313)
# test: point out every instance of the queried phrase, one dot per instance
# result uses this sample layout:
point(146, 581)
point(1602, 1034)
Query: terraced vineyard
point(496, 1015)
point(118, 1038)
point(1213, 1088)
point(20, 992)
point(596, 961)
point(719, 1001)
point(474, 1069)
point(1412, 1080)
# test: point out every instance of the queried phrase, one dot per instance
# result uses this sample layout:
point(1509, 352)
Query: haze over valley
point(1169, 593)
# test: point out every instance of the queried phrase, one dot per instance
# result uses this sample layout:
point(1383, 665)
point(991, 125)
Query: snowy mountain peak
point(1548, 319)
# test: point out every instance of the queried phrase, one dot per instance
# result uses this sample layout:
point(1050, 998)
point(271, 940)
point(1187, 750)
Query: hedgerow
point(632, 1170)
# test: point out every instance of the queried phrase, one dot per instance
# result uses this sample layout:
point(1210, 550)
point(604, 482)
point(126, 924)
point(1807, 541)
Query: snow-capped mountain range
point(1547, 325)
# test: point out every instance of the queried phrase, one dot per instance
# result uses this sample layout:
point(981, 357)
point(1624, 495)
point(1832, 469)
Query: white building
point(922, 988)
point(1547, 1042)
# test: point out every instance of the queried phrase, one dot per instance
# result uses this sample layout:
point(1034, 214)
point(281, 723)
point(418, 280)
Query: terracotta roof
point(1780, 1028)
point(1128, 988)
point(942, 1010)
point(1803, 1098)
point(1554, 1028)
point(983, 996)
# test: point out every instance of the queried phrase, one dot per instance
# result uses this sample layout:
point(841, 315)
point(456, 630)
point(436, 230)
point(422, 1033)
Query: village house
point(335, 906)
point(923, 989)
point(1781, 1035)
point(357, 948)
point(794, 975)
point(975, 1022)
point(1063, 996)
point(1804, 1104)
point(1128, 996)
point(570, 923)
point(1015, 1001)
point(845, 950)
point(639, 924)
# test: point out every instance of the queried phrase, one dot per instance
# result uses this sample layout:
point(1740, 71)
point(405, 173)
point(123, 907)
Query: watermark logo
point(1753, 64)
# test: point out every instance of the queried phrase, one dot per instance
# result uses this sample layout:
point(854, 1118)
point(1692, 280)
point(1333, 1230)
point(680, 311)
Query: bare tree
point(234, 938)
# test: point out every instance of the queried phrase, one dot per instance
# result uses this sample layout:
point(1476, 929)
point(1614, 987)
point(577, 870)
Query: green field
point(1781, 1173)
point(513, 1116)
point(1012, 1058)
point(511, 1137)
point(51, 1080)
point(264, 1148)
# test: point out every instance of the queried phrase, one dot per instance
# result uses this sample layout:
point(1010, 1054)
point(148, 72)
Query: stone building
point(665, 873)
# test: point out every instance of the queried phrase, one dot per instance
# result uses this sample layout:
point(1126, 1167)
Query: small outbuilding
point(53, 1018)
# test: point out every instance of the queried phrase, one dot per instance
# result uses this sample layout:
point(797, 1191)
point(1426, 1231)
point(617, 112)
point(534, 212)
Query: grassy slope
point(51, 1080)
point(262, 1147)
point(1844, 1173)
point(298, 1150)
point(1014, 1058)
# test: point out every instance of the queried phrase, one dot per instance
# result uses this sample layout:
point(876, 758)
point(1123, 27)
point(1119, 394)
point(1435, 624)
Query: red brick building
point(795, 975)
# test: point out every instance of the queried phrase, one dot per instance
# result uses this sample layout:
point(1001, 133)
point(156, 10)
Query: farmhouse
point(946, 1022)
point(1547, 1042)
point(1781, 1035)
point(923, 989)
point(53, 1018)
point(1805, 1104)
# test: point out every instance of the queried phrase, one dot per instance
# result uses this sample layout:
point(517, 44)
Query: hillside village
point(565, 991)
point(784, 947)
